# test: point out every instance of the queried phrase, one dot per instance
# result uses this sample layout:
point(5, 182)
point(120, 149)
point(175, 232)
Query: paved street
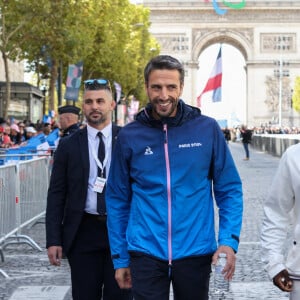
point(31, 276)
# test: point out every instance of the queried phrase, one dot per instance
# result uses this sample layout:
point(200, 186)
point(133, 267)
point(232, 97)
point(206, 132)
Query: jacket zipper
point(165, 128)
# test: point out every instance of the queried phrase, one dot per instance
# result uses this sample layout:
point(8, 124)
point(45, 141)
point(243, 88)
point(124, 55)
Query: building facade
point(16, 71)
point(267, 34)
point(26, 100)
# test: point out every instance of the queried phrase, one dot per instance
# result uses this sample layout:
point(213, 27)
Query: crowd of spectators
point(267, 129)
point(235, 132)
point(16, 133)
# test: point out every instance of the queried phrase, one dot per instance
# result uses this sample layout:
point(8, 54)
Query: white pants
point(295, 293)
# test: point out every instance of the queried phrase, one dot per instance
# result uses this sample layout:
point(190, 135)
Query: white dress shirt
point(93, 140)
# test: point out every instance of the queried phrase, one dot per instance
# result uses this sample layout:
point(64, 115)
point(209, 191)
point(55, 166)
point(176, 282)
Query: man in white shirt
point(282, 214)
point(76, 212)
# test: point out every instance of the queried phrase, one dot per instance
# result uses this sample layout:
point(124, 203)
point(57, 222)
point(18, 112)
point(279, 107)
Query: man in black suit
point(76, 212)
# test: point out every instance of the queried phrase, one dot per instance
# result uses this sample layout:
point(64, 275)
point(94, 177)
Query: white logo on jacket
point(189, 145)
point(148, 151)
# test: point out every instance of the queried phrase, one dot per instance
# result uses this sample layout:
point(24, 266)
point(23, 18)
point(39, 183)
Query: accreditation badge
point(99, 184)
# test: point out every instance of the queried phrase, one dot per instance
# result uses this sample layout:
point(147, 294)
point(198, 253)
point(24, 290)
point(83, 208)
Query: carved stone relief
point(276, 42)
point(173, 43)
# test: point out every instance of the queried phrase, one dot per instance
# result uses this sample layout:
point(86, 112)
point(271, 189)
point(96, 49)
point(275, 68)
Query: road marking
point(40, 292)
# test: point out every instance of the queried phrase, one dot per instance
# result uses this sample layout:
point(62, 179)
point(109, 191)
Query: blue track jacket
point(163, 179)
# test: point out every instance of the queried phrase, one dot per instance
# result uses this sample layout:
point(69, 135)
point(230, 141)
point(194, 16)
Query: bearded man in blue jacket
point(169, 168)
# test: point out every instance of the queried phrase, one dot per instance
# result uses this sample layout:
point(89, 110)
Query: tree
point(122, 32)
point(296, 95)
point(102, 33)
point(12, 22)
point(146, 47)
point(59, 34)
point(105, 34)
point(272, 100)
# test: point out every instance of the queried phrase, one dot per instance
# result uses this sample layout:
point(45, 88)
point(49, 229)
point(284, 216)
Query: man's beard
point(101, 120)
point(160, 112)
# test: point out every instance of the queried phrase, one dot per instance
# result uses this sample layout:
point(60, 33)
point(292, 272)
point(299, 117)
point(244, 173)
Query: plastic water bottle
point(221, 285)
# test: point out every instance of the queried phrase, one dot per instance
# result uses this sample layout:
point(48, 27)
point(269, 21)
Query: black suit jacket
point(68, 188)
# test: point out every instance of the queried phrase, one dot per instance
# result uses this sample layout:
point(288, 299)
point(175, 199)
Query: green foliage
point(111, 37)
point(122, 45)
point(11, 24)
point(296, 95)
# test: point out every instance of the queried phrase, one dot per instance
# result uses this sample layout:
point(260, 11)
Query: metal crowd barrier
point(23, 192)
point(275, 144)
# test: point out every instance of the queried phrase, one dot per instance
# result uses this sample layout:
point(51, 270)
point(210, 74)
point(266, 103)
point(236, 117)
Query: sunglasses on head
point(94, 84)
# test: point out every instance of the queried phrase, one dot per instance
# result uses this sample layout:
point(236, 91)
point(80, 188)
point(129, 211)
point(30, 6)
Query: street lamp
point(44, 90)
point(1, 103)
point(280, 73)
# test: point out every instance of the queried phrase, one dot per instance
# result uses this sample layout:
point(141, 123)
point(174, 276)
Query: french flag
point(214, 82)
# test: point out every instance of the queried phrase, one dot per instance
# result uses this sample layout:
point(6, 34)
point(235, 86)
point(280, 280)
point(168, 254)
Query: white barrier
point(23, 196)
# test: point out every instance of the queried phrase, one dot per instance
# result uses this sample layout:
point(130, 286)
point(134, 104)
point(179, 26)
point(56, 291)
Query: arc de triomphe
point(267, 33)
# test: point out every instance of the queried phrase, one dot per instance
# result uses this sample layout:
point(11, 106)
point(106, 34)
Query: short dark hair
point(162, 62)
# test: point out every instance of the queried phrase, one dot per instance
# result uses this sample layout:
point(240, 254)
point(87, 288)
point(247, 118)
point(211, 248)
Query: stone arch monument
point(267, 33)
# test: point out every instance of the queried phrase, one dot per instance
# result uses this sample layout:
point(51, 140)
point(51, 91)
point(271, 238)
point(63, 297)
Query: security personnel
point(68, 119)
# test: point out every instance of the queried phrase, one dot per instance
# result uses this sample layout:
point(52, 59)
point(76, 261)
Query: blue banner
point(53, 137)
point(73, 81)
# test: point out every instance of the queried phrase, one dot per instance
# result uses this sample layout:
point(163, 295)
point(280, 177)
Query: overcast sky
point(233, 83)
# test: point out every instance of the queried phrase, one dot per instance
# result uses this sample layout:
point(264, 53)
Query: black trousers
point(92, 272)
point(151, 278)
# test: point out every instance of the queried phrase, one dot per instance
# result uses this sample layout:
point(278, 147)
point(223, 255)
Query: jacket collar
point(184, 112)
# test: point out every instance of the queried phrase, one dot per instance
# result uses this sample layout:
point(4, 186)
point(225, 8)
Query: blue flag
point(53, 137)
point(36, 140)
